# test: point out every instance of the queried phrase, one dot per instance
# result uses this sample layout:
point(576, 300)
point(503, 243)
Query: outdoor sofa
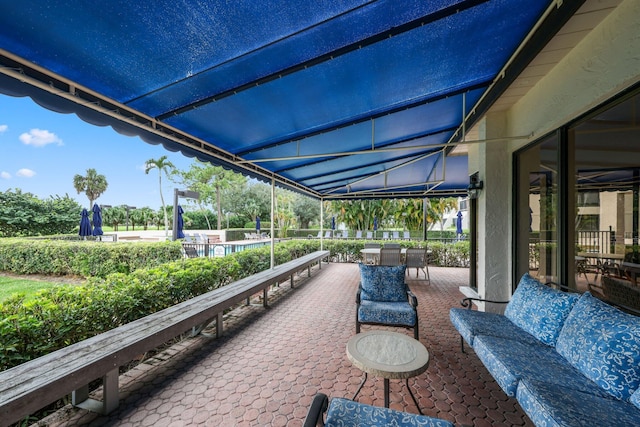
point(569, 359)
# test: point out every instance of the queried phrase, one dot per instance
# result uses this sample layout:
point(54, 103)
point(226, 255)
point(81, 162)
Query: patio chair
point(392, 245)
point(327, 235)
point(369, 235)
point(406, 235)
point(345, 234)
point(385, 235)
point(390, 256)
point(190, 251)
point(383, 298)
point(359, 234)
point(345, 412)
point(418, 258)
point(396, 235)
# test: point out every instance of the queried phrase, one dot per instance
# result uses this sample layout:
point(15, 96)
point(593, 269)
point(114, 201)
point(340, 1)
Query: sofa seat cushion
point(540, 309)
point(343, 412)
point(470, 323)
point(387, 313)
point(510, 361)
point(603, 343)
point(553, 405)
point(383, 283)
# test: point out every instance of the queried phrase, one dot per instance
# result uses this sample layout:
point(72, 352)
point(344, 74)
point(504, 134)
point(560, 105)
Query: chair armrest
point(412, 298)
point(318, 407)
point(468, 302)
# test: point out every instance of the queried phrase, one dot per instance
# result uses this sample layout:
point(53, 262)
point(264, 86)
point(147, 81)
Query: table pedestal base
point(386, 392)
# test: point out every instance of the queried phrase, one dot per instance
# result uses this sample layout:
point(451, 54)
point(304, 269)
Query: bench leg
point(110, 395)
point(219, 328)
point(265, 293)
point(291, 280)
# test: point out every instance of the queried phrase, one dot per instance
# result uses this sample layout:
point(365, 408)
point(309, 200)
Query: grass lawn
point(10, 285)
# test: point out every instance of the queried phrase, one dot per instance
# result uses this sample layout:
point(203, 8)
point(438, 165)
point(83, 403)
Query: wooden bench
point(28, 387)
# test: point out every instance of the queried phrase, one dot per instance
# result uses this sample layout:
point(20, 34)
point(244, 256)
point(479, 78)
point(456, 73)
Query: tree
point(163, 165)
point(306, 210)
point(93, 185)
point(211, 182)
point(440, 206)
point(23, 214)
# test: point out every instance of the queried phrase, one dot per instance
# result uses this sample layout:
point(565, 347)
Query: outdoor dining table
point(376, 252)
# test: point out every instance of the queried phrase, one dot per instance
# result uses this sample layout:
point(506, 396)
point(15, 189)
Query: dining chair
point(418, 258)
point(390, 256)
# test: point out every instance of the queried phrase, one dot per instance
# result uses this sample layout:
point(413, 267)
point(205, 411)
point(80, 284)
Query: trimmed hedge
point(82, 258)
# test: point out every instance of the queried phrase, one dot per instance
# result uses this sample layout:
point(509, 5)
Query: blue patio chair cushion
point(603, 343)
point(510, 361)
point(387, 313)
point(539, 309)
point(554, 406)
point(471, 323)
point(383, 283)
point(346, 413)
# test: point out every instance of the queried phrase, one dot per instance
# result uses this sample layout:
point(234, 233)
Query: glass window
point(578, 199)
point(537, 227)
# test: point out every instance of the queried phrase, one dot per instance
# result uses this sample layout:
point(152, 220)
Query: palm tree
point(93, 185)
point(163, 165)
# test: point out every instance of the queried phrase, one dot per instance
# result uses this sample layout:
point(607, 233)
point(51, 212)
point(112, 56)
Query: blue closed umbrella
point(97, 220)
point(333, 222)
point(85, 224)
point(258, 224)
point(180, 233)
point(459, 224)
point(375, 223)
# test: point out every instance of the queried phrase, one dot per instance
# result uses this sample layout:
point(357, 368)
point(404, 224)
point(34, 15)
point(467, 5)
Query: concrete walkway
point(271, 362)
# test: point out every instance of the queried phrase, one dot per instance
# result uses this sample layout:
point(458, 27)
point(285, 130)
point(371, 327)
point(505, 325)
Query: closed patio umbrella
point(333, 222)
point(459, 224)
point(85, 224)
point(258, 224)
point(180, 227)
point(97, 220)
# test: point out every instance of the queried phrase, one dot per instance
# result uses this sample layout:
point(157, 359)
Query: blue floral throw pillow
point(383, 283)
point(539, 309)
point(603, 343)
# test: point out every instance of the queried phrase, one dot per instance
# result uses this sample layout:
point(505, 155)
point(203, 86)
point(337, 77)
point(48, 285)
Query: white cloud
point(25, 173)
point(3, 128)
point(40, 138)
point(5, 175)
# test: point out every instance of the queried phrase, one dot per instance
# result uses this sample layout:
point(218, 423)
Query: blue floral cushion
point(471, 323)
point(556, 406)
point(511, 361)
point(387, 313)
point(347, 413)
point(539, 309)
point(383, 283)
point(603, 343)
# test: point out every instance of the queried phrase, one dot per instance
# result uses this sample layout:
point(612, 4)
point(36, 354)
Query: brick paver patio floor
point(270, 363)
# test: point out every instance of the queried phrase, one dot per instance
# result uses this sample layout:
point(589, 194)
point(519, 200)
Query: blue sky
point(41, 151)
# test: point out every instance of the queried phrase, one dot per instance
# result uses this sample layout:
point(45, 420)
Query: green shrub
point(82, 258)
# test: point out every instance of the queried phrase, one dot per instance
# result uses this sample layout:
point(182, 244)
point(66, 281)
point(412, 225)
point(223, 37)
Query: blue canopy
point(349, 99)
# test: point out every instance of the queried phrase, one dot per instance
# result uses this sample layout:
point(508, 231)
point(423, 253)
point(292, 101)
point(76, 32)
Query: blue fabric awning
point(336, 99)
